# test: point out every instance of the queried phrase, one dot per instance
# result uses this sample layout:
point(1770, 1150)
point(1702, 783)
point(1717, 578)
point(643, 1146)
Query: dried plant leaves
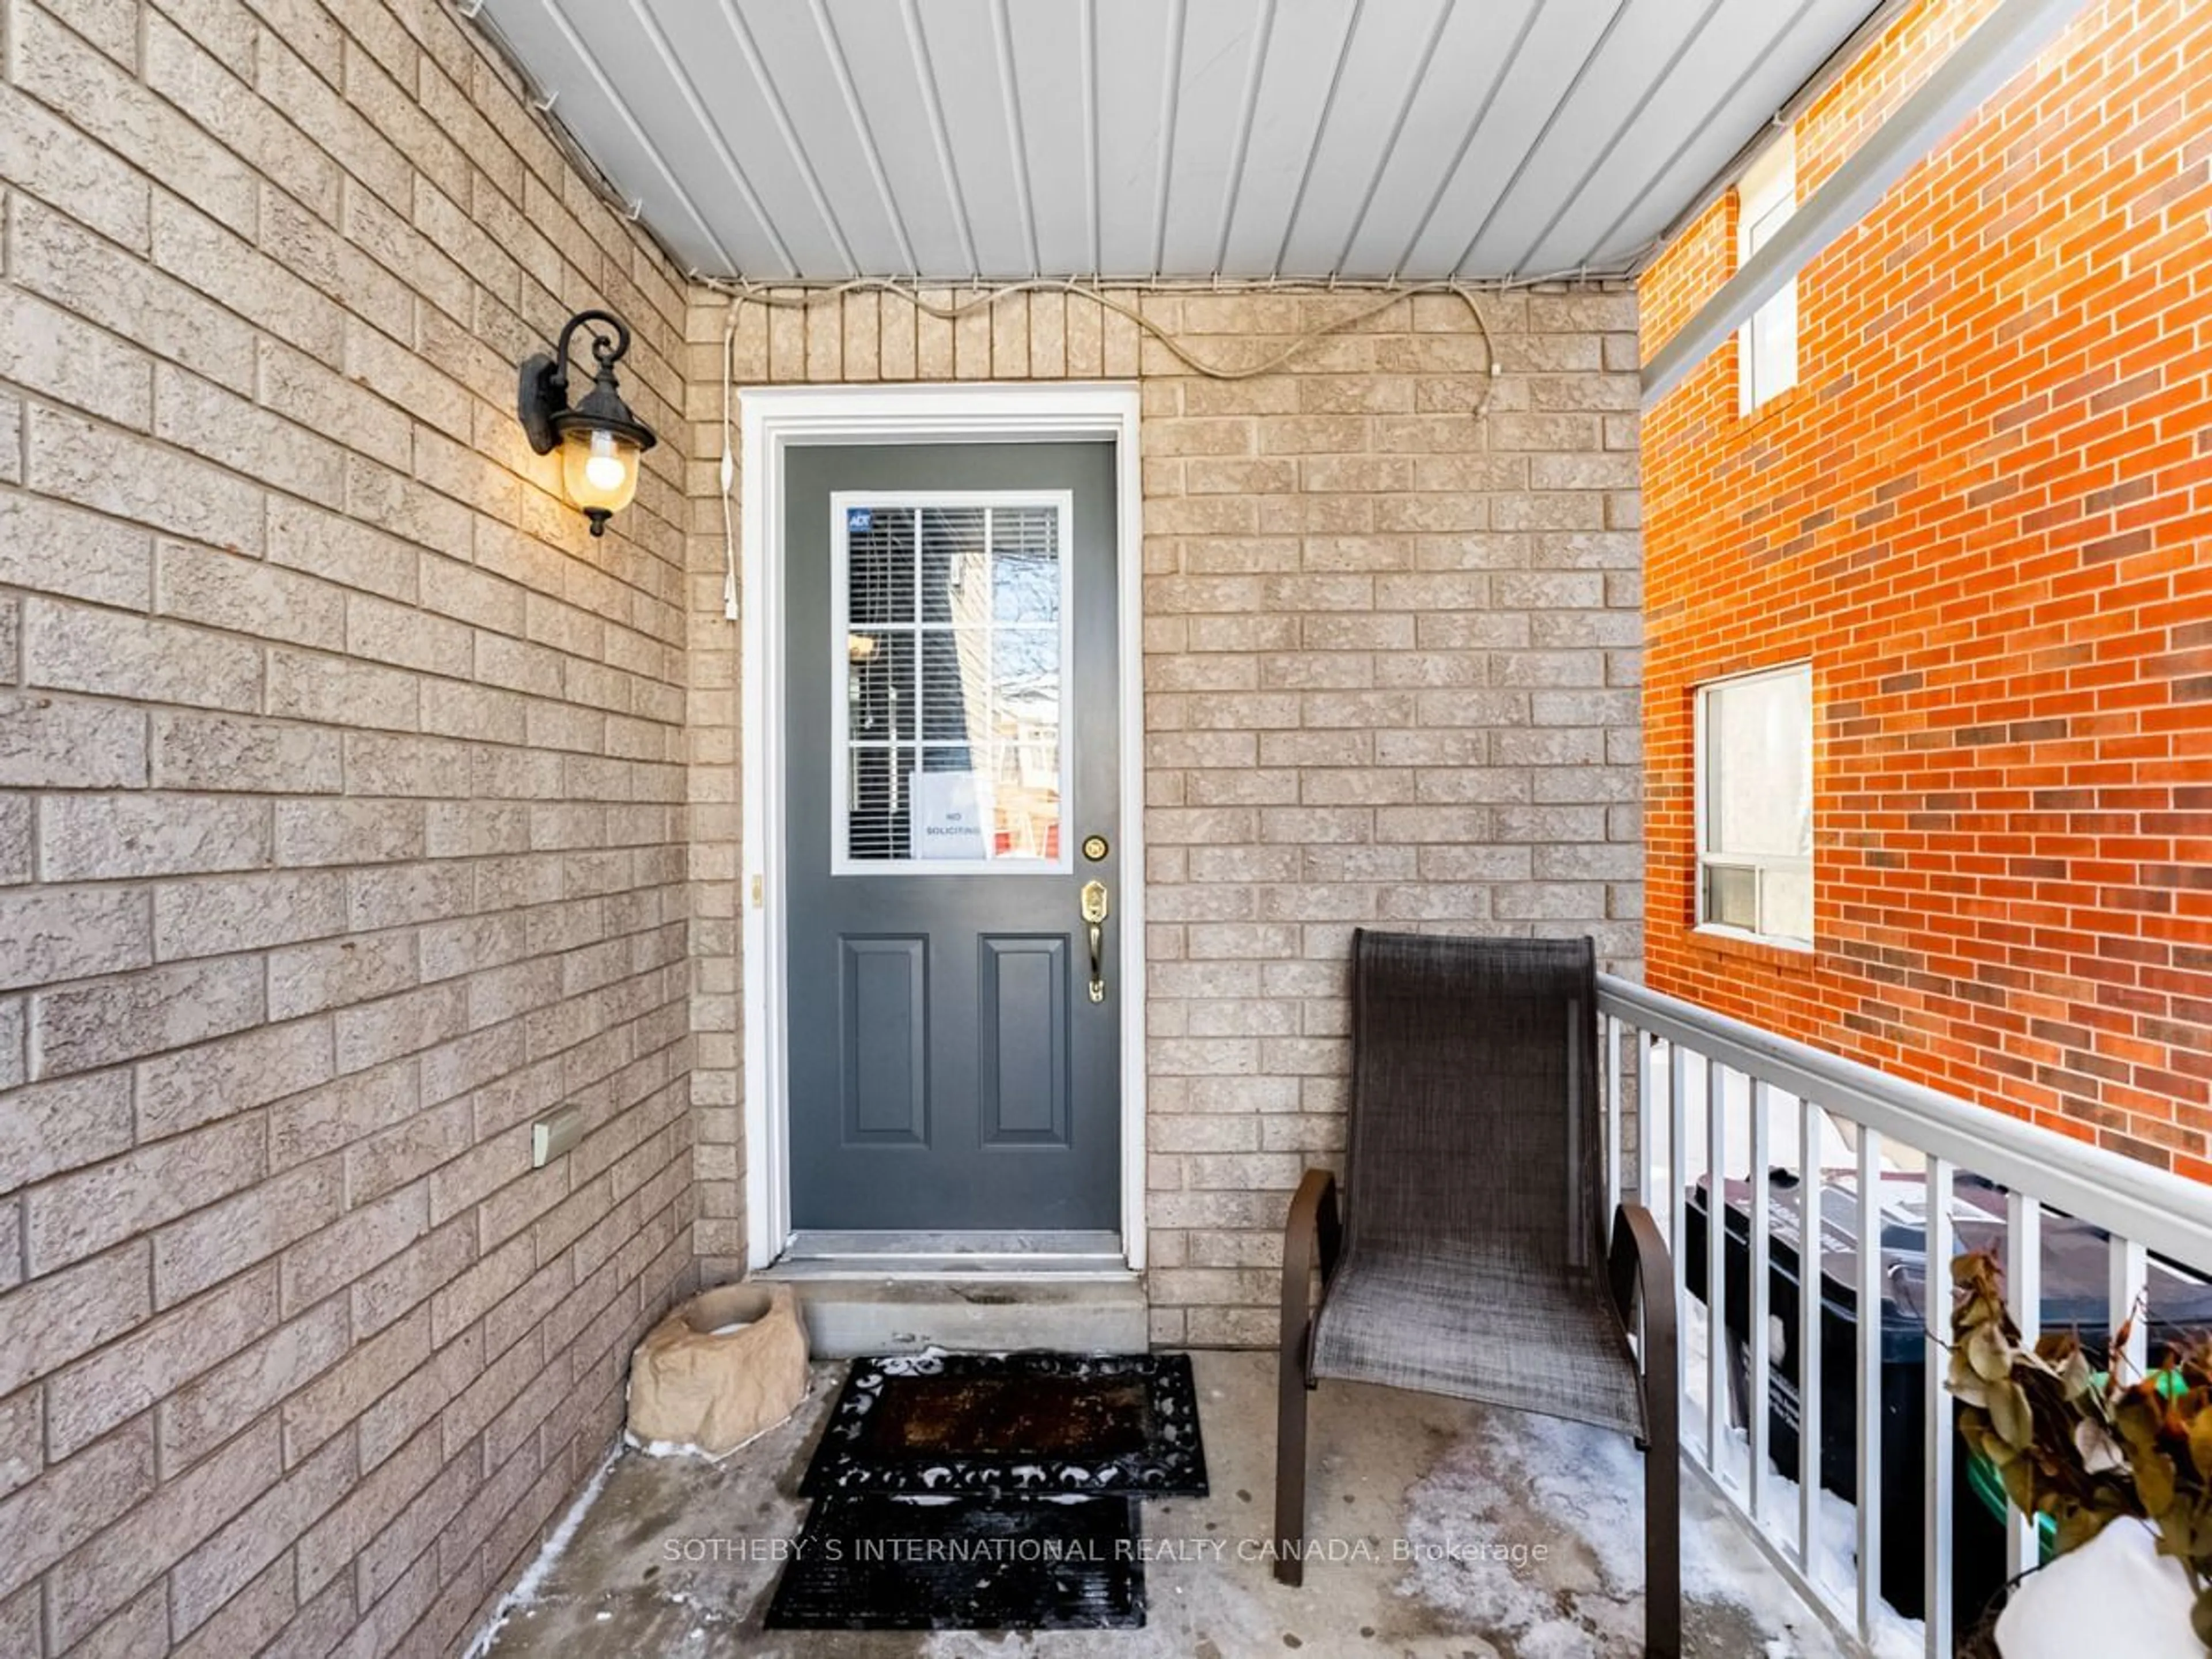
point(2079, 1446)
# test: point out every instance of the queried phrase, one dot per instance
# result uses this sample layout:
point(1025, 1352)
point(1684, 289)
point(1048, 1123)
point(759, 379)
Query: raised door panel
point(884, 1012)
point(1023, 1041)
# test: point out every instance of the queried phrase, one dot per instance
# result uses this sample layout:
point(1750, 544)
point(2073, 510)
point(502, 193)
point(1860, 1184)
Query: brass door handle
point(1095, 906)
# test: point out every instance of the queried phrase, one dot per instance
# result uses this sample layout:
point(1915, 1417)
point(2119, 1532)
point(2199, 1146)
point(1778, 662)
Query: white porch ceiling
point(1009, 138)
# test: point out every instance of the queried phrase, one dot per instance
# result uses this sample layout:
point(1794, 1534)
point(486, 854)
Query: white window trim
point(841, 861)
point(1701, 859)
point(1769, 182)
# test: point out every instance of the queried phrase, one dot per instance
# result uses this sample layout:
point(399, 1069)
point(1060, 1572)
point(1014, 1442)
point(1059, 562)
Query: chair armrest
point(1637, 1262)
point(1642, 1276)
point(1312, 1221)
point(1642, 1273)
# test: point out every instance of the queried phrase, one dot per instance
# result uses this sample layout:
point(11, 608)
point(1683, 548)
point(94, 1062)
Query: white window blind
point(954, 622)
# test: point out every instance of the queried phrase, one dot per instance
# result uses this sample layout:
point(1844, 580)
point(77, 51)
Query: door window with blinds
point(952, 635)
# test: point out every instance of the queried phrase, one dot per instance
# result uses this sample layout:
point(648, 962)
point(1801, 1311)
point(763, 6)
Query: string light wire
point(1108, 296)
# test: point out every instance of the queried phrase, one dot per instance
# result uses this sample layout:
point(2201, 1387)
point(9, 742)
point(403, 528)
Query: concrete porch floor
point(676, 1557)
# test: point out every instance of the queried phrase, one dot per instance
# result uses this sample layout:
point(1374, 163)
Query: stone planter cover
point(719, 1370)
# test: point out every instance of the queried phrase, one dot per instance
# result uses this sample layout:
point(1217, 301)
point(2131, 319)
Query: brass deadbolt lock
point(1095, 847)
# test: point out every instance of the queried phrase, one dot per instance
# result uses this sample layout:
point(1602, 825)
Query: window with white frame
point(954, 611)
point(1755, 761)
point(1767, 345)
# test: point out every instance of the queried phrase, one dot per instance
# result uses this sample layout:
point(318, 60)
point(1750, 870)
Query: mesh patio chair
point(1473, 1259)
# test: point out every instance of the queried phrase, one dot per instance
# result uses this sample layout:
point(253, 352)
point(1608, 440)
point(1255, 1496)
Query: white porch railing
point(1725, 1104)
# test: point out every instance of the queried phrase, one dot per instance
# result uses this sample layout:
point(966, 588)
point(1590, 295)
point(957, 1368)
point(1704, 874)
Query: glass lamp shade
point(599, 470)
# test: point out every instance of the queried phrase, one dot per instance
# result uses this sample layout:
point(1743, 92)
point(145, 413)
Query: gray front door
point(953, 787)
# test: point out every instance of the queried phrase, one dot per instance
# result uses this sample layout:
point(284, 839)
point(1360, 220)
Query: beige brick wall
point(354, 803)
point(1390, 676)
point(340, 804)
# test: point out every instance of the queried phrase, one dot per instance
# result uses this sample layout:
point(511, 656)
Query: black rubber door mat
point(880, 1563)
point(1013, 1424)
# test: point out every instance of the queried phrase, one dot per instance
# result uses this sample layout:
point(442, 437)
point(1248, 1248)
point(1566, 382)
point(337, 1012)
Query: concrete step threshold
point(875, 1293)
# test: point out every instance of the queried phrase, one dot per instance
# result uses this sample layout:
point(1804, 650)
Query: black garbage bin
point(2075, 1258)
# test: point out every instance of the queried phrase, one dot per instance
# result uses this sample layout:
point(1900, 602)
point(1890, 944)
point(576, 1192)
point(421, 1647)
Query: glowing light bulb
point(605, 468)
point(598, 469)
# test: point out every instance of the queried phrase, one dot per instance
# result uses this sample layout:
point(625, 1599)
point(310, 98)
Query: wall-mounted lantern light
point(600, 440)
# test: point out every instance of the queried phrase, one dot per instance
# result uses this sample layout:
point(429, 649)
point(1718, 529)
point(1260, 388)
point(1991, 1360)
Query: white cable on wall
point(802, 297)
point(743, 292)
point(729, 478)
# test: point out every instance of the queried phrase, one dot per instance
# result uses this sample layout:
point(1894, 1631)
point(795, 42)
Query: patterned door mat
point(881, 1562)
point(990, 1491)
point(1013, 1424)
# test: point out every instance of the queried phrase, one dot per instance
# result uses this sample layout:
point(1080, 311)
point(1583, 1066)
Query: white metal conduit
point(1664, 1049)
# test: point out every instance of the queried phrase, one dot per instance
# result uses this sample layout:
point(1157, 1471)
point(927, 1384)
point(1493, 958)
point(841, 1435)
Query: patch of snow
point(706, 1611)
point(681, 1447)
point(928, 1362)
point(1834, 1569)
point(1586, 1483)
point(1834, 1564)
point(686, 1449)
point(1461, 1499)
point(527, 1588)
point(2116, 1594)
point(1557, 1639)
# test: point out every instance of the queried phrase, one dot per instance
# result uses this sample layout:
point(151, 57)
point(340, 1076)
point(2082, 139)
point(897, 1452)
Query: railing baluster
point(1870, 1379)
point(1716, 1414)
point(1811, 1289)
point(2130, 1272)
point(2024, 1294)
point(1678, 1177)
point(1868, 1299)
point(1760, 1346)
point(1647, 1120)
point(1613, 1120)
point(1935, 1530)
point(1678, 1183)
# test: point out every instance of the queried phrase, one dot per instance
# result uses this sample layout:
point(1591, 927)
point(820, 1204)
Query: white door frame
point(772, 419)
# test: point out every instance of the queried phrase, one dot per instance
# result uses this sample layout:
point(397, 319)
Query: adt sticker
point(859, 520)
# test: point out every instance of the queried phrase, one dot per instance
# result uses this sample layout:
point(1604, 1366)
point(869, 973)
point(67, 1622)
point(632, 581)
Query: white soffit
point(824, 139)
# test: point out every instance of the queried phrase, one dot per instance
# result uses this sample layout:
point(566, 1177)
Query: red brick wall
point(1881, 78)
point(1985, 515)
